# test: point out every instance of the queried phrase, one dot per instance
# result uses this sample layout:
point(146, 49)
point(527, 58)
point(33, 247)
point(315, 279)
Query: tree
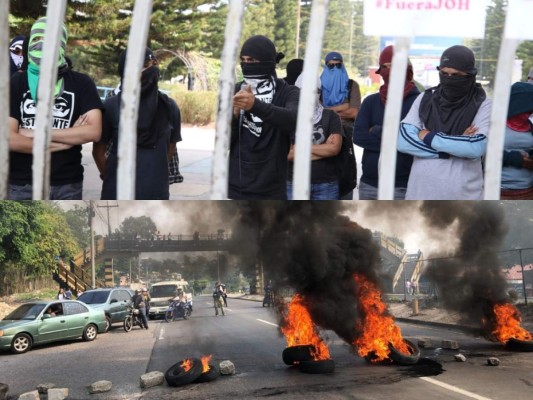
point(77, 219)
point(133, 226)
point(33, 236)
point(285, 28)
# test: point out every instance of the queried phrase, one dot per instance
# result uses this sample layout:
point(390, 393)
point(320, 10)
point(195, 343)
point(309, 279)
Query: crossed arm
point(87, 128)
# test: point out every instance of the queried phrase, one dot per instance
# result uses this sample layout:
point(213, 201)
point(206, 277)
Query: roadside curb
point(462, 328)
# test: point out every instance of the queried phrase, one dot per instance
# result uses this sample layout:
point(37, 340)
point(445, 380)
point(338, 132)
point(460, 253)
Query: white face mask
point(17, 59)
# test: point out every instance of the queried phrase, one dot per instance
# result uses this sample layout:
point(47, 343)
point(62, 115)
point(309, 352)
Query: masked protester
point(77, 119)
point(368, 128)
point(446, 132)
point(16, 54)
point(294, 69)
point(342, 95)
point(517, 172)
point(263, 126)
point(158, 130)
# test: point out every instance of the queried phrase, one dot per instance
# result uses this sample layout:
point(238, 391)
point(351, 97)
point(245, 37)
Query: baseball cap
point(333, 56)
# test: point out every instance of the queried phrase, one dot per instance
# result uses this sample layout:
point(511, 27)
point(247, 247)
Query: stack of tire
point(176, 375)
point(301, 356)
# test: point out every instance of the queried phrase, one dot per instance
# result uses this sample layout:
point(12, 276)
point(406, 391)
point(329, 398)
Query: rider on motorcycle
point(139, 303)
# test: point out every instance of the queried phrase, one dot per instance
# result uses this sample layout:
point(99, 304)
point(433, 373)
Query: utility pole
point(108, 220)
point(523, 276)
point(298, 21)
point(91, 227)
point(351, 36)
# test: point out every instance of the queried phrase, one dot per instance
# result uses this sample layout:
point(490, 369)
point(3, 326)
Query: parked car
point(112, 301)
point(45, 322)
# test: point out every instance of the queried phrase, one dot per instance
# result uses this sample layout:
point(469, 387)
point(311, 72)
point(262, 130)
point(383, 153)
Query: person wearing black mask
point(446, 132)
point(265, 111)
point(158, 130)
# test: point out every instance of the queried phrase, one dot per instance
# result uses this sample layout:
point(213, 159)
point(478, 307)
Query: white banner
point(409, 18)
point(518, 25)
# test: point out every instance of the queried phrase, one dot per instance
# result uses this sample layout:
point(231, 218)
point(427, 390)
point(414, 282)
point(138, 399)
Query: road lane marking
point(162, 333)
point(454, 389)
point(268, 323)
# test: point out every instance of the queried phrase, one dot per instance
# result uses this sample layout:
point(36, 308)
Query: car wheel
point(90, 332)
point(296, 354)
point(519, 345)
point(209, 376)
point(128, 324)
point(107, 323)
point(21, 343)
point(317, 367)
point(177, 376)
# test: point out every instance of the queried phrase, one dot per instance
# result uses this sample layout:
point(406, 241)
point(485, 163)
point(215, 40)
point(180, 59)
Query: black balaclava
point(261, 48)
point(451, 107)
point(150, 125)
point(294, 69)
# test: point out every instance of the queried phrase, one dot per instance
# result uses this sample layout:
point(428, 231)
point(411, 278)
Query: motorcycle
point(268, 300)
point(133, 318)
point(178, 309)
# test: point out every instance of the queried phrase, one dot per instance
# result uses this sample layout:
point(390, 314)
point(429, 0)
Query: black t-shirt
point(79, 96)
point(323, 170)
point(151, 182)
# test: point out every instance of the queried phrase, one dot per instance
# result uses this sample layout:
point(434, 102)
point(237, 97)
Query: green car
point(44, 322)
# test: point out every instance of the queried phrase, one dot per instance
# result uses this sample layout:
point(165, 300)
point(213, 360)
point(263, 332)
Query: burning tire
point(317, 367)
point(296, 354)
point(178, 376)
point(519, 345)
point(210, 375)
point(402, 358)
point(398, 357)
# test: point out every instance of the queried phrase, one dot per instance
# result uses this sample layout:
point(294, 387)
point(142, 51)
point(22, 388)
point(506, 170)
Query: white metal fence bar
point(226, 85)
point(308, 95)
point(129, 108)
point(4, 97)
point(393, 111)
point(55, 14)
point(498, 118)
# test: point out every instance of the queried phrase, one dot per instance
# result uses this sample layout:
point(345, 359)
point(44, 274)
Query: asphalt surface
point(195, 152)
point(248, 336)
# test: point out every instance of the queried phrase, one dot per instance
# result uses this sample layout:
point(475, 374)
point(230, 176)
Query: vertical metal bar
point(308, 95)
point(4, 97)
point(226, 86)
point(498, 118)
point(391, 123)
point(129, 108)
point(55, 14)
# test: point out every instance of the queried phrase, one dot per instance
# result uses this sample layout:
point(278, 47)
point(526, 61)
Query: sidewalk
point(196, 157)
point(195, 151)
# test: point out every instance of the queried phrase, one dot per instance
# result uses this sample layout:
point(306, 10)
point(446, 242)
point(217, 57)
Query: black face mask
point(149, 80)
point(258, 70)
point(456, 87)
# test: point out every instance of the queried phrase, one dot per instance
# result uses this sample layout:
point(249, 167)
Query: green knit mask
point(35, 54)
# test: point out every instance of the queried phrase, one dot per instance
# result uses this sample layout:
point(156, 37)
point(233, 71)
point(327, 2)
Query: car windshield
point(97, 297)
point(163, 291)
point(28, 311)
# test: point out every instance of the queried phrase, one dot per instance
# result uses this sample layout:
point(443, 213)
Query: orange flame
point(299, 329)
point(507, 323)
point(205, 363)
point(376, 328)
point(186, 364)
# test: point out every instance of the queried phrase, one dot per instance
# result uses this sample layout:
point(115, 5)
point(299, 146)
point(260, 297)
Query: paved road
point(247, 335)
point(196, 159)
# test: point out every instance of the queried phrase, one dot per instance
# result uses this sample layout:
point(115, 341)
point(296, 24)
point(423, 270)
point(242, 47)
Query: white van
point(162, 292)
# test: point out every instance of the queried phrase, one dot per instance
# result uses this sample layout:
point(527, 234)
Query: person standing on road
point(446, 132)
point(146, 298)
point(342, 95)
point(265, 111)
point(368, 129)
point(139, 304)
point(157, 133)
point(76, 119)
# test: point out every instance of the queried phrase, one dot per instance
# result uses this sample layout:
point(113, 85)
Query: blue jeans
point(142, 314)
point(368, 192)
point(70, 191)
point(319, 191)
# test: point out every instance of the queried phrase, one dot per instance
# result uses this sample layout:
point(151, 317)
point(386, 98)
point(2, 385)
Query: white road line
point(454, 389)
point(161, 333)
point(268, 323)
